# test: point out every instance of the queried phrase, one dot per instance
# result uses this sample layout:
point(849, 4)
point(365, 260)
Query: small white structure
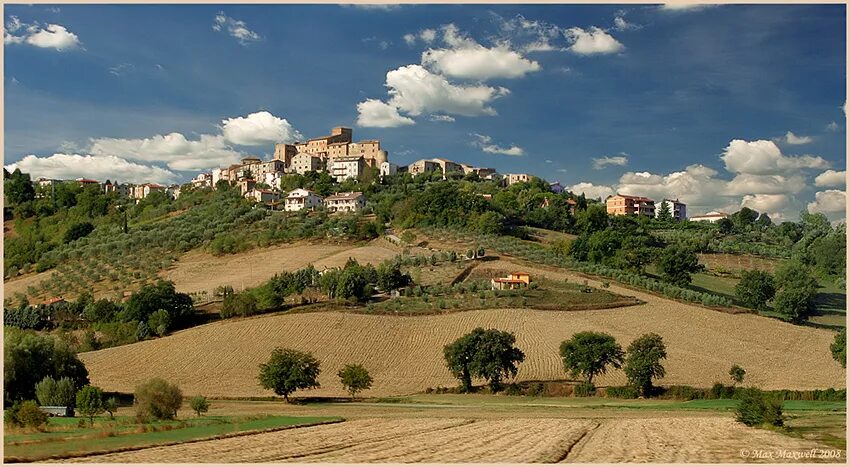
point(712, 217)
point(510, 179)
point(273, 179)
point(202, 180)
point(173, 191)
point(388, 168)
point(300, 199)
point(262, 196)
point(345, 202)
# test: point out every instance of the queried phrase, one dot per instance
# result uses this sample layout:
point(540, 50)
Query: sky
point(719, 106)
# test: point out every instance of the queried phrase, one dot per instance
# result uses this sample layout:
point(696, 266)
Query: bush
point(159, 322)
point(755, 289)
point(585, 389)
point(838, 348)
point(200, 405)
point(90, 402)
point(536, 389)
point(77, 231)
point(29, 415)
point(239, 304)
point(29, 357)
point(157, 399)
point(513, 389)
point(622, 392)
point(355, 378)
point(755, 409)
point(57, 393)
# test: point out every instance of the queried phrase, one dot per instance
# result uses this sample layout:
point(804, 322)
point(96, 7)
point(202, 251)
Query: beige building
point(422, 166)
point(345, 202)
point(510, 179)
point(285, 152)
point(142, 191)
point(300, 199)
point(482, 172)
point(262, 196)
point(343, 168)
point(202, 180)
point(340, 144)
point(304, 162)
point(626, 205)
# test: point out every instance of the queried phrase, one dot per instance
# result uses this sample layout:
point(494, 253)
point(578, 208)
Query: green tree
point(839, 348)
point(100, 311)
point(796, 290)
point(355, 378)
point(29, 357)
point(755, 289)
point(159, 322)
point(90, 402)
point(643, 361)
point(677, 262)
point(592, 219)
point(200, 405)
point(590, 353)
point(736, 373)
point(665, 214)
point(18, 187)
point(459, 355)
point(161, 296)
point(496, 357)
point(76, 231)
point(239, 304)
point(289, 370)
point(56, 393)
point(30, 415)
point(390, 277)
point(158, 399)
point(755, 408)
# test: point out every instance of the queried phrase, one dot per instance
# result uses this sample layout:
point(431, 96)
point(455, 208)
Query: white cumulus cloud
point(486, 144)
point(51, 36)
point(173, 149)
point(592, 41)
point(71, 166)
point(831, 178)
point(764, 157)
point(791, 138)
point(259, 128)
point(441, 118)
point(591, 191)
point(415, 90)
point(765, 203)
point(235, 28)
point(378, 114)
point(829, 201)
point(601, 162)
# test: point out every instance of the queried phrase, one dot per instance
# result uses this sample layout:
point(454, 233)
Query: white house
point(388, 168)
point(343, 168)
point(345, 202)
point(202, 180)
point(300, 199)
point(712, 217)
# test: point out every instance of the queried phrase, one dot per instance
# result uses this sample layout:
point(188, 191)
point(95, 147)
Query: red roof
point(51, 301)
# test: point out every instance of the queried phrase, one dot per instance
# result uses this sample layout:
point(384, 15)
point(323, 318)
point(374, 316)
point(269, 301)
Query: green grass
point(65, 438)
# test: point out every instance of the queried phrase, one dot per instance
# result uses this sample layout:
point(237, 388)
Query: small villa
point(514, 280)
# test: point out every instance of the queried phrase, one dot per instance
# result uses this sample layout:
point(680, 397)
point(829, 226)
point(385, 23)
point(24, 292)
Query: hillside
point(404, 355)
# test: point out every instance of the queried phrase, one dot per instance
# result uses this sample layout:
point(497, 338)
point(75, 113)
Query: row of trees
point(792, 290)
point(289, 370)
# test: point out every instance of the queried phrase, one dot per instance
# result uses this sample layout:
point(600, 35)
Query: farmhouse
point(514, 280)
point(345, 202)
point(300, 199)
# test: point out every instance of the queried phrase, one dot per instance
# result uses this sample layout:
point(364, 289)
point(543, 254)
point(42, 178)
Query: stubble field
point(458, 440)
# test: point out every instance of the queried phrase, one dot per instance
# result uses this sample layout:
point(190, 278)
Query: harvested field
point(199, 271)
point(734, 263)
point(457, 440)
point(404, 354)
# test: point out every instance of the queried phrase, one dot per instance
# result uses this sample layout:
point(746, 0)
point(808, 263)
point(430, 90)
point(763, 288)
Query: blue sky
point(689, 103)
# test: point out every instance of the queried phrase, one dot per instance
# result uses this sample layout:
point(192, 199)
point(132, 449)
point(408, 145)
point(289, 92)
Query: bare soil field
point(404, 354)
point(20, 283)
point(457, 440)
point(733, 263)
point(198, 270)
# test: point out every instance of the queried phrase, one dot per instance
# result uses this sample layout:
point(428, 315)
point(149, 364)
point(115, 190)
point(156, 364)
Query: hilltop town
point(342, 158)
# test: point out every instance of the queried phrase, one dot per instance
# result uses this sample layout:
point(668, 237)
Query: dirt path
point(458, 440)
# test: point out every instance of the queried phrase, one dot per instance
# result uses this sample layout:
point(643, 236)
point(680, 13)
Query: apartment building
point(448, 166)
point(300, 199)
point(711, 216)
point(344, 168)
point(626, 205)
point(304, 162)
point(345, 202)
point(677, 209)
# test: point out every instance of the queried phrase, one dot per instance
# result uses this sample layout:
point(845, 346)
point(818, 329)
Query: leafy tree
point(159, 322)
point(18, 187)
point(390, 277)
point(755, 409)
point(200, 405)
point(643, 361)
point(736, 373)
point(602, 245)
point(744, 218)
point(56, 393)
point(239, 304)
point(665, 214)
point(496, 357)
point(289, 370)
point(158, 399)
point(677, 262)
point(839, 348)
point(111, 406)
point(796, 290)
point(725, 225)
point(29, 357)
point(100, 311)
point(76, 231)
point(764, 222)
point(459, 355)
point(355, 378)
point(755, 289)
point(28, 414)
point(590, 353)
point(161, 296)
point(592, 219)
point(490, 223)
point(90, 402)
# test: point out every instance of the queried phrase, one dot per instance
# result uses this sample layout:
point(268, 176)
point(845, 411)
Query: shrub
point(29, 415)
point(111, 406)
point(200, 405)
point(736, 373)
point(157, 399)
point(513, 389)
point(622, 392)
point(585, 389)
point(77, 231)
point(755, 289)
point(755, 408)
point(355, 378)
point(57, 393)
point(536, 389)
point(29, 357)
point(239, 304)
point(839, 348)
